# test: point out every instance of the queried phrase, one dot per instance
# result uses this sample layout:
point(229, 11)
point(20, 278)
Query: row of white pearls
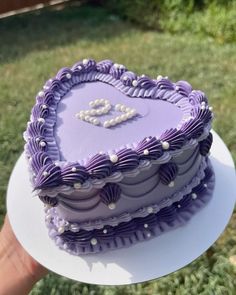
point(86, 115)
point(128, 113)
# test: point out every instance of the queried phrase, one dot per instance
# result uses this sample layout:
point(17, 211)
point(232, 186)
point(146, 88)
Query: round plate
point(144, 261)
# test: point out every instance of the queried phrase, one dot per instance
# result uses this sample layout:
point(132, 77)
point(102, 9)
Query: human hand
point(18, 270)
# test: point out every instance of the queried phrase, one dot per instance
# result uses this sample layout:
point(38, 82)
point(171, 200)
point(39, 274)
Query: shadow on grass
point(48, 28)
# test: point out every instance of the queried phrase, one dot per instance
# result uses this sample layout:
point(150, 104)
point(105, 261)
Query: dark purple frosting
point(104, 66)
point(197, 97)
point(55, 85)
point(128, 77)
point(167, 214)
point(145, 82)
point(183, 88)
point(174, 137)
point(48, 176)
point(82, 237)
point(110, 193)
point(117, 72)
point(40, 111)
point(192, 128)
point(49, 200)
point(205, 145)
point(34, 145)
point(73, 173)
point(63, 74)
point(38, 160)
point(152, 145)
point(204, 115)
point(168, 172)
point(36, 129)
point(165, 83)
point(127, 160)
point(99, 166)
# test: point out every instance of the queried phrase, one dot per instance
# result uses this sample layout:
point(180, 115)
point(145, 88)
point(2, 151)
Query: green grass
point(34, 46)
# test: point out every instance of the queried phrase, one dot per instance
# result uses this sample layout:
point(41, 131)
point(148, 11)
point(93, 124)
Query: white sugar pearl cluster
point(86, 115)
point(128, 113)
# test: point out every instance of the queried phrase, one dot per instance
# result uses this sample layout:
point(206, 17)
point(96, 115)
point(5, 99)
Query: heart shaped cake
point(117, 158)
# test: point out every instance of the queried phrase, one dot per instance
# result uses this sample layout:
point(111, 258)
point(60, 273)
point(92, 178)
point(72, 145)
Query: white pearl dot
point(91, 104)
point(93, 241)
point(133, 112)
point(95, 121)
point(112, 206)
point(165, 145)
point(148, 235)
point(116, 66)
point(42, 143)
point(145, 225)
point(134, 83)
point(73, 169)
point(149, 209)
point(176, 87)
point(112, 122)
point(211, 109)
point(117, 107)
point(129, 115)
point(203, 103)
point(194, 196)
point(87, 118)
point(99, 112)
point(159, 77)
point(79, 67)
point(125, 78)
point(146, 152)
point(113, 158)
point(203, 107)
point(68, 75)
point(123, 108)
point(44, 106)
point(171, 184)
point(179, 206)
point(77, 185)
point(105, 231)
point(48, 217)
point(61, 229)
point(122, 66)
point(124, 117)
point(45, 173)
point(118, 119)
point(106, 124)
point(205, 185)
point(85, 61)
point(41, 120)
point(41, 93)
point(37, 139)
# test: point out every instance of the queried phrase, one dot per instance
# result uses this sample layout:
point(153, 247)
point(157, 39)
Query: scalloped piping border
point(138, 235)
point(142, 212)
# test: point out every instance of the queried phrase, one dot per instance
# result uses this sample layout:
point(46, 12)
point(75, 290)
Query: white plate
point(144, 261)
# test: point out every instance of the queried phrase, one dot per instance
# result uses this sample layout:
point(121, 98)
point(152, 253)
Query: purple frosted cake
point(117, 158)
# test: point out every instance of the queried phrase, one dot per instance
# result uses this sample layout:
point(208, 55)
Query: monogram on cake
point(117, 158)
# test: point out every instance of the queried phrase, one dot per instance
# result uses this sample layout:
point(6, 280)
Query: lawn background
point(34, 46)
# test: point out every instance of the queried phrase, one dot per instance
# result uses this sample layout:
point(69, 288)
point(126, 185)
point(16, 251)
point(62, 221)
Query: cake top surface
point(96, 119)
